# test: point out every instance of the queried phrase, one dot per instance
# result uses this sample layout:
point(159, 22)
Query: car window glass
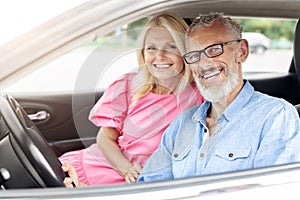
point(114, 54)
point(107, 57)
point(270, 44)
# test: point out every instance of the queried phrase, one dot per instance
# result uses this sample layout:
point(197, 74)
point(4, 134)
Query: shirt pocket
point(228, 159)
point(230, 153)
point(183, 164)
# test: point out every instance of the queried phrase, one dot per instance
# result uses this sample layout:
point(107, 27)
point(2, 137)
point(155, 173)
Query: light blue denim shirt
point(256, 130)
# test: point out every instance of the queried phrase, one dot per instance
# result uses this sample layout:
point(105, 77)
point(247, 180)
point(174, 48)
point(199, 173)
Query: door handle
point(39, 116)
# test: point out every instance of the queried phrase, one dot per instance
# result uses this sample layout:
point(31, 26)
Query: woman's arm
point(107, 141)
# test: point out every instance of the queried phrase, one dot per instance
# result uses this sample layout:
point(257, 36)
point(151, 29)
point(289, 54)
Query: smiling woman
point(135, 110)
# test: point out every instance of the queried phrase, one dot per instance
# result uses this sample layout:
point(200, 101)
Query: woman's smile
point(162, 66)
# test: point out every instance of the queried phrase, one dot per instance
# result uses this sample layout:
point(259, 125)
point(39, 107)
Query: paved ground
point(272, 60)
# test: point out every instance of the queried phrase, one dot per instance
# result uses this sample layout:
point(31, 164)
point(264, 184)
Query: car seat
point(298, 109)
point(297, 56)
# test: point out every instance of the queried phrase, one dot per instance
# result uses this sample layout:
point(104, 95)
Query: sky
point(20, 16)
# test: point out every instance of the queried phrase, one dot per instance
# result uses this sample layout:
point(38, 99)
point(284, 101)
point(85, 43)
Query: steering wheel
point(28, 158)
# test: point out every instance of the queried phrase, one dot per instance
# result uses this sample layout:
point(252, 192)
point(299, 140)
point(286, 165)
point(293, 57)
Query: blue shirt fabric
point(255, 130)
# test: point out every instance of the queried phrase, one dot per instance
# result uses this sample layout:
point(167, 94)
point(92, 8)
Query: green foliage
point(272, 28)
point(135, 28)
point(275, 29)
point(125, 36)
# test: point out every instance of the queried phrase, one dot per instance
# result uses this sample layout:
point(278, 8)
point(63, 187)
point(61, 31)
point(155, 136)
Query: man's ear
point(244, 51)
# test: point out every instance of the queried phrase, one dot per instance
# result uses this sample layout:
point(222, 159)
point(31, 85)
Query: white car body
point(258, 42)
point(99, 17)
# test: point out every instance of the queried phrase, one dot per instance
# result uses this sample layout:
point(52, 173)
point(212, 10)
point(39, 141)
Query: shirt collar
point(240, 101)
point(236, 105)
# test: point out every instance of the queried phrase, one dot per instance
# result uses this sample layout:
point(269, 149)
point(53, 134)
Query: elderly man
point(237, 127)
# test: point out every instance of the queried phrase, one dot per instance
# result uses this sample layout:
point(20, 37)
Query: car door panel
point(65, 128)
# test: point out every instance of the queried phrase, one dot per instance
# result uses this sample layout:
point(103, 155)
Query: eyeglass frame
point(203, 50)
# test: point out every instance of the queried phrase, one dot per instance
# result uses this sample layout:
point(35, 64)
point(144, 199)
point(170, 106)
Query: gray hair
point(206, 20)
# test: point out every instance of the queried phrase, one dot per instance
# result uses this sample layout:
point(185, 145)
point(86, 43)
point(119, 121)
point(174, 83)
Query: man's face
point(218, 76)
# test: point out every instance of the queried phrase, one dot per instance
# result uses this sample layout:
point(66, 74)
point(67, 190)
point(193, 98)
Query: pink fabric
point(140, 126)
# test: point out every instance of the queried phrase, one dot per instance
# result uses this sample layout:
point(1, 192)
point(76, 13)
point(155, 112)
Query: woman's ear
point(244, 51)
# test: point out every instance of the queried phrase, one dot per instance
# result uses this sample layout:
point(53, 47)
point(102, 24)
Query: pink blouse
point(140, 125)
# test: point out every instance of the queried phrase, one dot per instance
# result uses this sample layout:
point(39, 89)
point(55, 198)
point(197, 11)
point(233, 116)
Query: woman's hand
point(72, 177)
point(133, 173)
point(107, 140)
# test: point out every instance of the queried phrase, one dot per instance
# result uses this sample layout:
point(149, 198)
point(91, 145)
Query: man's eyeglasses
point(211, 51)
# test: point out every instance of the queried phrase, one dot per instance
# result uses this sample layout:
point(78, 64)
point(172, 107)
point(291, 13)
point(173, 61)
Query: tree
point(272, 28)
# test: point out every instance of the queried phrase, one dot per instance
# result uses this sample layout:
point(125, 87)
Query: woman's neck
point(160, 89)
point(167, 86)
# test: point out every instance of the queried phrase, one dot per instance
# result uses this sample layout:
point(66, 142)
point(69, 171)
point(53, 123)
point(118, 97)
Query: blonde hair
point(177, 27)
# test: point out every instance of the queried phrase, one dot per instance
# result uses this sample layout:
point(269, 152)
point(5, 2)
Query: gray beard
point(219, 91)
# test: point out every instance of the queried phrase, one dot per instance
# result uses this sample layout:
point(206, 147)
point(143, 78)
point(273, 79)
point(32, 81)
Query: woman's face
point(162, 57)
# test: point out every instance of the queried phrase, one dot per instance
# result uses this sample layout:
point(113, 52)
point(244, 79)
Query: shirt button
point(175, 155)
point(202, 155)
point(230, 155)
point(205, 130)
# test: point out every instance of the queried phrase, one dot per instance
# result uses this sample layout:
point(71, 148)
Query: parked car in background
point(54, 74)
point(258, 42)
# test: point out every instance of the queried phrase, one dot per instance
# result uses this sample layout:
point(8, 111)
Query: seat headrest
point(298, 109)
point(297, 49)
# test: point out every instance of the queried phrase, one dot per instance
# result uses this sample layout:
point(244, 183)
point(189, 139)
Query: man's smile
point(211, 73)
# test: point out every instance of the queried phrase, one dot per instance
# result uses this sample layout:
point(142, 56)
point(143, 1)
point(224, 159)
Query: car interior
point(32, 145)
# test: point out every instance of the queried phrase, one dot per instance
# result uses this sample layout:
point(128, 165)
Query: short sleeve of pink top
point(140, 125)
